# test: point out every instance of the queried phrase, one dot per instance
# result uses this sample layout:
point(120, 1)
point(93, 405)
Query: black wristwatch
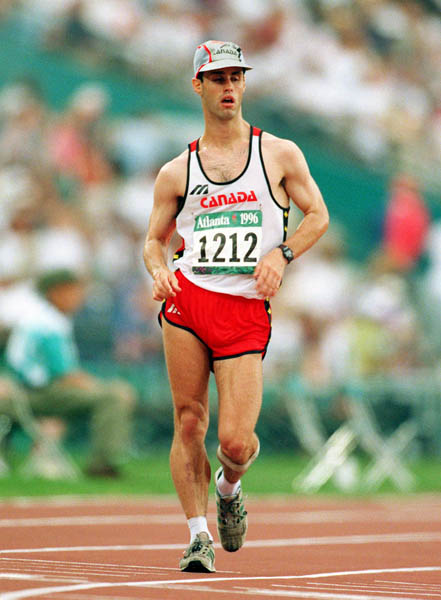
point(288, 254)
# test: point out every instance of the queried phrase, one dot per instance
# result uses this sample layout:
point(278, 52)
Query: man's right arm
point(168, 187)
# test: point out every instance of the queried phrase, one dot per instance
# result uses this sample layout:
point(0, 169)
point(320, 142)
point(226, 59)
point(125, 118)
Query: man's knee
point(191, 423)
point(238, 452)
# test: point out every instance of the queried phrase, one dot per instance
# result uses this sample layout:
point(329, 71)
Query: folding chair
point(385, 452)
point(327, 461)
point(329, 455)
point(52, 461)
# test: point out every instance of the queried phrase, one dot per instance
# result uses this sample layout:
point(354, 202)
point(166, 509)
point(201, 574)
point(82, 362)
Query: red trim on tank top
point(193, 145)
point(256, 131)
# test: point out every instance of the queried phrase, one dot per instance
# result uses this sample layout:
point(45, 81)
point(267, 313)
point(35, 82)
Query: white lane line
point(392, 502)
point(45, 578)
point(282, 518)
point(69, 574)
point(331, 540)
point(361, 587)
point(72, 570)
point(84, 568)
point(65, 569)
point(81, 565)
point(413, 537)
point(158, 500)
point(316, 595)
point(93, 520)
point(434, 586)
point(33, 593)
point(83, 596)
point(365, 586)
point(347, 516)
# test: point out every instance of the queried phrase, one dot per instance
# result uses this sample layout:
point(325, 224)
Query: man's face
point(221, 91)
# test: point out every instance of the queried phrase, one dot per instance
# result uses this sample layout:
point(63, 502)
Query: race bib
point(227, 242)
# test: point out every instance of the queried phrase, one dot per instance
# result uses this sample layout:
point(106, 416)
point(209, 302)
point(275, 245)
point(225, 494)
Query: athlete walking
point(228, 196)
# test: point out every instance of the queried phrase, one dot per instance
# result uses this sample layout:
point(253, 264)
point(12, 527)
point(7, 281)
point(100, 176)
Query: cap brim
point(223, 64)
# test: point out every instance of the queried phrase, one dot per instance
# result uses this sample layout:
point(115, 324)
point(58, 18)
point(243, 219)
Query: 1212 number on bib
point(227, 242)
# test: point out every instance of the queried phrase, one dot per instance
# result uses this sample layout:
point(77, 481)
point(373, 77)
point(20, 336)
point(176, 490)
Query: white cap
point(213, 55)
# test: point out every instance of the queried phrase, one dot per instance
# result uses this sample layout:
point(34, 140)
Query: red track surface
point(296, 548)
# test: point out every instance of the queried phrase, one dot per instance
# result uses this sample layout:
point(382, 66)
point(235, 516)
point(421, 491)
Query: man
point(228, 197)
point(42, 354)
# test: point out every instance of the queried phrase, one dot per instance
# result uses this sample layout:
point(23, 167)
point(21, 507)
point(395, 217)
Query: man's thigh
point(188, 366)
point(240, 384)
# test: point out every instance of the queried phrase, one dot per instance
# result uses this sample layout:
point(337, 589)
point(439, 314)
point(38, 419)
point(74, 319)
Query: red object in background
point(406, 223)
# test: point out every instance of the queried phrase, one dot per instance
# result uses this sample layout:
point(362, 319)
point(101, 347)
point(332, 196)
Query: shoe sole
point(196, 566)
point(232, 544)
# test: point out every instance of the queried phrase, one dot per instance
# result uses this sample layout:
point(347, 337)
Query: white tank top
point(226, 227)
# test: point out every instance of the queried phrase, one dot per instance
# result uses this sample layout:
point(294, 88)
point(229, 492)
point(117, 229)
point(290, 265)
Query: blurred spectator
point(381, 335)
point(114, 20)
point(43, 355)
point(76, 185)
point(429, 293)
point(138, 142)
point(316, 293)
point(136, 332)
point(17, 264)
point(406, 223)
point(133, 314)
point(366, 71)
point(37, 234)
point(155, 49)
point(75, 147)
point(433, 275)
point(321, 284)
point(24, 122)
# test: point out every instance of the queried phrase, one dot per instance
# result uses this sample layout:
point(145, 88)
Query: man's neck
point(224, 134)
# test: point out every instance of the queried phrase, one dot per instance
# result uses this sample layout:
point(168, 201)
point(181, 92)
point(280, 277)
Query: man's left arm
point(304, 192)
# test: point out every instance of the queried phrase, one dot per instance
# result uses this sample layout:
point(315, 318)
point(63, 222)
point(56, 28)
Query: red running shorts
point(228, 325)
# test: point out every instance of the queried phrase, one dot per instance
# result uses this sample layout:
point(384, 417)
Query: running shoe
point(232, 522)
point(199, 556)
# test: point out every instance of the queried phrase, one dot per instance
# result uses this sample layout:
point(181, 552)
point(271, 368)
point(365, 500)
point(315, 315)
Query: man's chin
point(227, 115)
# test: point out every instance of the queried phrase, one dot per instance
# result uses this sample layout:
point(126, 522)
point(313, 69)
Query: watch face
point(287, 253)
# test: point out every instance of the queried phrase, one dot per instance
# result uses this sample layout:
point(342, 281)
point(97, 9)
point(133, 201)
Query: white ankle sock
point(197, 525)
point(226, 488)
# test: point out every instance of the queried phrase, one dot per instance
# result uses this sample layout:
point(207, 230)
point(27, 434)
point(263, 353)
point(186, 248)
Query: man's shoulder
point(282, 155)
point(176, 166)
point(173, 174)
point(278, 145)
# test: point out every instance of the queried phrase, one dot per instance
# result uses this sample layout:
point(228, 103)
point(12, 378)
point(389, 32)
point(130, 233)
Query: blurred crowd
point(66, 204)
point(76, 185)
point(368, 72)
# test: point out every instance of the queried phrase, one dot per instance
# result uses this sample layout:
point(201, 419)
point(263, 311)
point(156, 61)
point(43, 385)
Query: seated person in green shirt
point(42, 353)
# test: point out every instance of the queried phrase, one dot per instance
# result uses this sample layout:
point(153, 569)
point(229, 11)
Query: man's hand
point(269, 272)
point(165, 284)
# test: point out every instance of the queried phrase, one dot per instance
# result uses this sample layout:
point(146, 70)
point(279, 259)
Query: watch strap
point(288, 254)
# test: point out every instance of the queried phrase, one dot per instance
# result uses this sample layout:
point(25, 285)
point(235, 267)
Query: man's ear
point(197, 85)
